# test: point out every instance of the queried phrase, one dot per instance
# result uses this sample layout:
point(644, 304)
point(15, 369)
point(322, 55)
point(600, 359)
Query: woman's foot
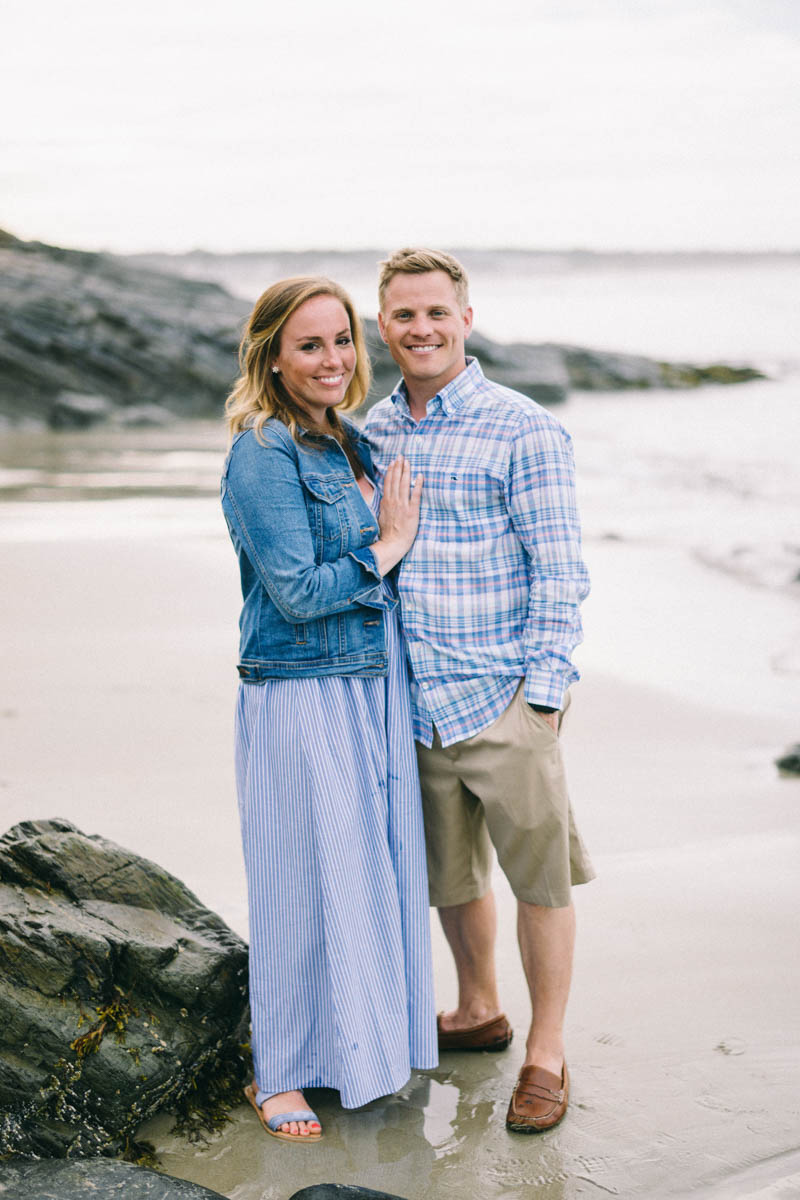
point(286, 1102)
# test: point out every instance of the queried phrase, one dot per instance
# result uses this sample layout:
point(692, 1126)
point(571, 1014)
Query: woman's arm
point(265, 505)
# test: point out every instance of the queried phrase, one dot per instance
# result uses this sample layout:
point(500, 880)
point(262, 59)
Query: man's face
point(425, 329)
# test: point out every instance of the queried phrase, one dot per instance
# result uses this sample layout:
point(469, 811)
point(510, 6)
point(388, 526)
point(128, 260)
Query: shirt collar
point(452, 396)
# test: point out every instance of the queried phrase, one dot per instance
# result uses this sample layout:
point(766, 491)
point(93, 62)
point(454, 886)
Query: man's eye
point(439, 312)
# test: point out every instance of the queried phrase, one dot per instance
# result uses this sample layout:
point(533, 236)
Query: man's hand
point(551, 718)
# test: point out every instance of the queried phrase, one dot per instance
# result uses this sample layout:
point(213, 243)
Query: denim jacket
point(313, 595)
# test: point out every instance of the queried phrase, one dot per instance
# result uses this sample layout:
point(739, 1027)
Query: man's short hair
point(418, 261)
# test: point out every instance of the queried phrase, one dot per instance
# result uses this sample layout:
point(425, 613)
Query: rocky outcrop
point(91, 337)
point(101, 1179)
point(120, 994)
point(115, 334)
point(603, 371)
point(341, 1191)
point(789, 762)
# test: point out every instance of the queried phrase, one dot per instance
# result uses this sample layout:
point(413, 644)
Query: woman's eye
point(309, 346)
point(344, 341)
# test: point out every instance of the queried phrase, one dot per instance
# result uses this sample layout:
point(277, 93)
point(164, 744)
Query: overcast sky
point(544, 123)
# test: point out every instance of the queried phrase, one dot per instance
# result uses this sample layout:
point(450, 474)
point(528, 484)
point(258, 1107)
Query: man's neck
point(419, 394)
point(418, 401)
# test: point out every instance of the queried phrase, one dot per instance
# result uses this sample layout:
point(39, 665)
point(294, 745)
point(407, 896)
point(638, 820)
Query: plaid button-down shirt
point(490, 591)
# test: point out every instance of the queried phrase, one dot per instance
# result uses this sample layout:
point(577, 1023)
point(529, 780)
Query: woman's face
point(317, 357)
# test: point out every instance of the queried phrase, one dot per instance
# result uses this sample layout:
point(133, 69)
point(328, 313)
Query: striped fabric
point(490, 590)
point(341, 987)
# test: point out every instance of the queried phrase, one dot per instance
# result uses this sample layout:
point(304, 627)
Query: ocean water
point(690, 500)
point(702, 307)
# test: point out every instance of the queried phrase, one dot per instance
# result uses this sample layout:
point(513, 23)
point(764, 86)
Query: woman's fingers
point(400, 494)
point(391, 483)
point(397, 480)
point(398, 519)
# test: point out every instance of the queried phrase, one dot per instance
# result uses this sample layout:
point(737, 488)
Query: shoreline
point(682, 1030)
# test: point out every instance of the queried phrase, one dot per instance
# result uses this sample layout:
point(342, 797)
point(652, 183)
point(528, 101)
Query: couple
point(467, 489)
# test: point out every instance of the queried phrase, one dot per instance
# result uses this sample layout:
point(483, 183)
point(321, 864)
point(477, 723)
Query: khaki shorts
point(504, 786)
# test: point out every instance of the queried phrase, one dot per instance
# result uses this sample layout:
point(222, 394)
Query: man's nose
point(420, 326)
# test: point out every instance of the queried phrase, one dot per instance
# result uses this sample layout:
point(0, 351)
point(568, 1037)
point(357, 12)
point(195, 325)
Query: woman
point(340, 972)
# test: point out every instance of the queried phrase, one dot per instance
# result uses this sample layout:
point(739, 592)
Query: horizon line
point(588, 251)
point(542, 251)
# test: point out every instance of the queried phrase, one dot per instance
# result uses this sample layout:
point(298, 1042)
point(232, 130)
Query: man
point(490, 596)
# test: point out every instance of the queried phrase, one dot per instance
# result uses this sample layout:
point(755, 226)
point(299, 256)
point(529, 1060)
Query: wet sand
point(683, 1031)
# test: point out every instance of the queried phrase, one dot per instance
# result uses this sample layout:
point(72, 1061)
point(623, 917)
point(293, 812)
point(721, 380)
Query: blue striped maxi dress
point(341, 988)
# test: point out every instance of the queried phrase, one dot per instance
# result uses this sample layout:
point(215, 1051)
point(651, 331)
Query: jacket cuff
point(366, 557)
point(374, 595)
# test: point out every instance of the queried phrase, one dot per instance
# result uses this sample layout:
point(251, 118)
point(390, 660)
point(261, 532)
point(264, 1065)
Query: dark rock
point(67, 1180)
point(686, 375)
point(605, 371)
point(76, 410)
point(597, 370)
point(105, 326)
point(341, 1191)
point(790, 761)
point(140, 416)
point(120, 994)
point(95, 324)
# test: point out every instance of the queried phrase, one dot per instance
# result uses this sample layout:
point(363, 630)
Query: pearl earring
point(275, 371)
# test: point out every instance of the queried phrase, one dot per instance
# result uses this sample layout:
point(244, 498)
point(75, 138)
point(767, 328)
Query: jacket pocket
point(326, 500)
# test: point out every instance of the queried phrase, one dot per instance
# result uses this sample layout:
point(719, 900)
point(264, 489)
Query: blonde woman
point(340, 970)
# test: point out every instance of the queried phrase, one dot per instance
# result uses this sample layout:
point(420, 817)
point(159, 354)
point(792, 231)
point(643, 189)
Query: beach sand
point(119, 643)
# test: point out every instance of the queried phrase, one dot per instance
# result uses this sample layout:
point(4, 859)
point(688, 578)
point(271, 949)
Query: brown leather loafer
point(539, 1100)
point(491, 1035)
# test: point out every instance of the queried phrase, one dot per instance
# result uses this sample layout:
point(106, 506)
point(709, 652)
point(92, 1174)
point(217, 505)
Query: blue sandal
point(273, 1125)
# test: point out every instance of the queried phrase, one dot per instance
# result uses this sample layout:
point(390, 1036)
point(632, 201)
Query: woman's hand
point(398, 519)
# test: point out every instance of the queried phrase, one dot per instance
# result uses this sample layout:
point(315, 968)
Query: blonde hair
point(417, 261)
point(259, 393)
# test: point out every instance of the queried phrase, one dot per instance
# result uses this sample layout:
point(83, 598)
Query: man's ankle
point(547, 1054)
point(473, 1012)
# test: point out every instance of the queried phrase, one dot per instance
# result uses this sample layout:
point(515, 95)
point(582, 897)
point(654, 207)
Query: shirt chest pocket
point(327, 505)
point(471, 496)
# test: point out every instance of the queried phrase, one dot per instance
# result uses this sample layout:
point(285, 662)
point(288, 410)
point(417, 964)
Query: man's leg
point(471, 930)
point(546, 941)
point(459, 866)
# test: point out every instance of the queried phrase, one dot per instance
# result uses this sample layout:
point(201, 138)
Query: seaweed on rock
point(121, 996)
